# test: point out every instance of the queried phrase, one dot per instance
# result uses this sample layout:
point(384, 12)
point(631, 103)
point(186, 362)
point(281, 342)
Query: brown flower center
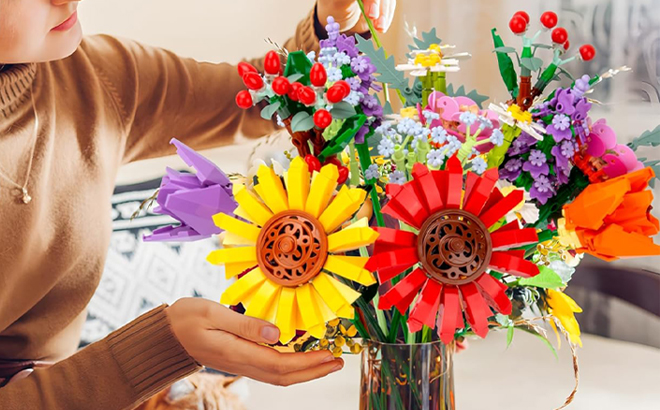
point(292, 248)
point(454, 247)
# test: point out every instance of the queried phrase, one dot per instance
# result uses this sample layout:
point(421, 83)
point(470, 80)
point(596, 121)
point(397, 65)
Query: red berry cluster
point(294, 91)
point(519, 24)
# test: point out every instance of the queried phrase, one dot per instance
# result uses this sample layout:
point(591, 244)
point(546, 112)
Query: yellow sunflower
point(291, 244)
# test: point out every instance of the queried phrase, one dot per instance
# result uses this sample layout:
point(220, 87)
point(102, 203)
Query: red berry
point(523, 15)
point(253, 81)
point(549, 19)
point(518, 25)
point(317, 75)
point(281, 85)
point(322, 119)
point(587, 52)
point(293, 92)
point(313, 163)
point(244, 99)
point(244, 68)
point(345, 86)
point(338, 92)
point(343, 175)
point(334, 160)
point(272, 63)
point(307, 95)
point(559, 35)
point(567, 45)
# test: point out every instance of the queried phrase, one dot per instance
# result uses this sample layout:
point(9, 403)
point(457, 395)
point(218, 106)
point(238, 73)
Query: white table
point(614, 376)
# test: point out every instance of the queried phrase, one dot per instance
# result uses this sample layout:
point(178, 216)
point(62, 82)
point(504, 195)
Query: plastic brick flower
point(452, 251)
point(192, 199)
point(290, 244)
point(612, 219)
point(564, 309)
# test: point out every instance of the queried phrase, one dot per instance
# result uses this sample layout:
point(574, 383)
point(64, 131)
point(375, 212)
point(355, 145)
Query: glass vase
point(407, 377)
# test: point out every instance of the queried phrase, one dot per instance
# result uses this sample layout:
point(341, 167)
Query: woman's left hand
point(347, 14)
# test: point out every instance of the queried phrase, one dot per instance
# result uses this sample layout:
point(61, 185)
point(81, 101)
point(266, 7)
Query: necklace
point(25, 196)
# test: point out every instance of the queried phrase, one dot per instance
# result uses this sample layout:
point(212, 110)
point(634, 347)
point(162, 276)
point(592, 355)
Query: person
point(73, 109)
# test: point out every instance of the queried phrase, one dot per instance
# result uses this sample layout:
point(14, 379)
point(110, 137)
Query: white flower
point(334, 74)
point(484, 122)
point(311, 55)
point(439, 135)
point(468, 118)
point(386, 147)
point(397, 177)
point(435, 158)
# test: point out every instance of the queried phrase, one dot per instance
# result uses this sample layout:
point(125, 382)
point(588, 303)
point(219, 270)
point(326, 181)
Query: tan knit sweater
point(110, 103)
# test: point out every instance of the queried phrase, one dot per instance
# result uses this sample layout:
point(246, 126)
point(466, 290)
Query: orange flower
point(612, 219)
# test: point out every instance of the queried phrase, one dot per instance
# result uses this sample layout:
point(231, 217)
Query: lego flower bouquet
point(399, 235)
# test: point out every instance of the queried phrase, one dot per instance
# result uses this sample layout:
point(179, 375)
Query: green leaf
point(507, 69)
point(566, 73)
point(547, 279)
point(504, 49)
point(428, 38)
point(294, 77)
point(531, 63)
point(509, 335)
point(650, 138)
point(545, 340)
point(269, 110)
point(342, 110)
point(473, 95)
point(386, 66)
point(302, 122)
point(298, 63)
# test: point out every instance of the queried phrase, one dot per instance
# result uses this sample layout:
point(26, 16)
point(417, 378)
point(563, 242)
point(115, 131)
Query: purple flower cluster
point(363, 81)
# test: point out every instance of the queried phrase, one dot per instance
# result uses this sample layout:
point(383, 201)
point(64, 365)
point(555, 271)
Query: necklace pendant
point(26, 197)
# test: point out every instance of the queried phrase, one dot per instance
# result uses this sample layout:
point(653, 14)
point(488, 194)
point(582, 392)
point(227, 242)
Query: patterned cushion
point(139, 276)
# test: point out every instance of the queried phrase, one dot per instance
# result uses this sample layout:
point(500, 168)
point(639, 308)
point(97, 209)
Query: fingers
point(373, 9)
point(245, 327)
point(301, 376)
point(272, 361)
point(385, 21)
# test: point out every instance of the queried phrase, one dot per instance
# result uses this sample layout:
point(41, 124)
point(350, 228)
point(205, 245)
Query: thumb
point(245, 327)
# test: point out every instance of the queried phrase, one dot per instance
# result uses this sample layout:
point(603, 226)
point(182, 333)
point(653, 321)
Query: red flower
point(453, 249)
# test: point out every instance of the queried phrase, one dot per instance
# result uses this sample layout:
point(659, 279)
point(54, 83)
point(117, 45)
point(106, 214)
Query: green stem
point(380, 315)
point(355, 168)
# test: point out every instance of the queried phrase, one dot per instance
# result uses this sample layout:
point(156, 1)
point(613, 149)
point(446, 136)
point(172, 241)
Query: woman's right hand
point(225, 340)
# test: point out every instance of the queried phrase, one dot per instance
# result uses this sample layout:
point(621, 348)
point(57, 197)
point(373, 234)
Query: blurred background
point(621, 301)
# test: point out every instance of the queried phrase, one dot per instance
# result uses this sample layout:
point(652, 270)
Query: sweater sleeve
point(160, 95)
point(116, 373)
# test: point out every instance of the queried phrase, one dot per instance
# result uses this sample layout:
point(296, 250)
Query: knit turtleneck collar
point(15, 83)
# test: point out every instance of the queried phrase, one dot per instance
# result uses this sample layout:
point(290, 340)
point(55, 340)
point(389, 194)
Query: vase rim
point(376, 342)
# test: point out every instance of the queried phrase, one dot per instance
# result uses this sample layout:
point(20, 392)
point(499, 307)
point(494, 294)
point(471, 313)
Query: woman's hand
point(347, 14)
point(225, 340)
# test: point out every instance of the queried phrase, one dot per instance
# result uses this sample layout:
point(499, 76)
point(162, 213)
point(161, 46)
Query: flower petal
point(322, 188)
point(346, 203)
point(310, 312)
point(328, 288)
point(401, 292)
point(426, 308)
point(476, 309)
point(494, 292)
point(450, 314)
point(271, 190)
point(255, 210)
point(513, 264)
point(233, 255)
point(351, 268)
point(297, 184)
point(261, 301)
point(490, 216)
point(237, 227)
point(286, 315)
point(237, 292)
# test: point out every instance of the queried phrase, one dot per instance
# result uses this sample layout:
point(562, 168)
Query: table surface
point(613, 375)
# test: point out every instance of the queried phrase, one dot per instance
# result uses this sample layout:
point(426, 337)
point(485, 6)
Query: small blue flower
point(479, 165)
point(435, 158)
point(334, 74)
point(397, 177)
point(354, 98)
point(468, 118)
point(312, 55)
point(484, 123)
point(439, 135)
point(453, 145)
point(406, 126)
point(497, 137)
point(372, 172)
point(386, 147)
point(342, 59)
point(431, 116)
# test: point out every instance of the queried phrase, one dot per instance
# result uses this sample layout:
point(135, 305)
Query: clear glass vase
point(407, 377)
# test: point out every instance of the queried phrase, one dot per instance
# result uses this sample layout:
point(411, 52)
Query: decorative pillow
point(139, 276)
